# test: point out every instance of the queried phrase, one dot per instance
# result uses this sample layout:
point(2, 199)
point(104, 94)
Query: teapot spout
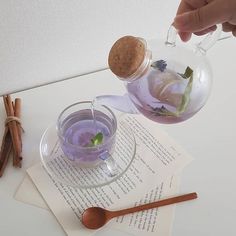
point(120, 103)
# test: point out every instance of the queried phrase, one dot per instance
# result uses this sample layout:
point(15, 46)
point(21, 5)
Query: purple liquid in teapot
point(79, 128)
point(158, 95)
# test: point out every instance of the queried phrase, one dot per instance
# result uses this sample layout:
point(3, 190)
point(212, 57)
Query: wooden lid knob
point(126, 55)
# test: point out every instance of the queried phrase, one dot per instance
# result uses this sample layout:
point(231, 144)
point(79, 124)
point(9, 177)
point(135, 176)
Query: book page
point(157, 221)
point(157, 158)
point(152, 222)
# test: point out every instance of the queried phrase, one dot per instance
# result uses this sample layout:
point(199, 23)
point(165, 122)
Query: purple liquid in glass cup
point(76, 127)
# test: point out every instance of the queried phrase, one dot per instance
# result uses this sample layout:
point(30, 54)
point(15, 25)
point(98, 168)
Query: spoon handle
point(160, 203)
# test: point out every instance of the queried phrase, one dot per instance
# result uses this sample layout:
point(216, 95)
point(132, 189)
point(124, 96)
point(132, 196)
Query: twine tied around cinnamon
point(14, 118)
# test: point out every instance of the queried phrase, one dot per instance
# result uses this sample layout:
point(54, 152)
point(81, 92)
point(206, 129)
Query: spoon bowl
point(95, 217)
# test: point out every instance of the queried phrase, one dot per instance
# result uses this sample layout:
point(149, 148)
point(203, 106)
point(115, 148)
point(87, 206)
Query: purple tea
point(78, 131)
point(157, 95)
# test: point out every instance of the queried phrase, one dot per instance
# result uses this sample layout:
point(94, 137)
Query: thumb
point(201, 18)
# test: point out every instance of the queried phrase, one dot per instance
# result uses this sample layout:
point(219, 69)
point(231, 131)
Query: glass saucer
point(67, 172)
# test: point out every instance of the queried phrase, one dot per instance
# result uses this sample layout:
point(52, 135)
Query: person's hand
point(201, 16)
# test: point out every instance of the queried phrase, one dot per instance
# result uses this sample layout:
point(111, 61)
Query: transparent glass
point(78, 124)
point(68, 156)
point(174, 85)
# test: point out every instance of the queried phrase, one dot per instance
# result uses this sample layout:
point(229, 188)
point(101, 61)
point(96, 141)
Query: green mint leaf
point(186, 96)
point(97, 139)
point(187, 74)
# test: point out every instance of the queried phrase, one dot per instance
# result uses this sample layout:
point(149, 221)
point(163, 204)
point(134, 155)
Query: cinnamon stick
point(13, 131)
point(17, 113)
point(5, 150)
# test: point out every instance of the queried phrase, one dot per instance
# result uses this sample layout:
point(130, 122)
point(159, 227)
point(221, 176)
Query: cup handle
point(203, 46)
point(111, 166)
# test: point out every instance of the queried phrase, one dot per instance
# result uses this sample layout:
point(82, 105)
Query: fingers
point(185, 36)
point(201, 18)
point(186, 6)
point(190, 5)
point(234, 32)
point(206, 31)
point(227, 27)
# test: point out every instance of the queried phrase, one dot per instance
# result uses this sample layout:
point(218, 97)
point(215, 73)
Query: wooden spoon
point(96, 217)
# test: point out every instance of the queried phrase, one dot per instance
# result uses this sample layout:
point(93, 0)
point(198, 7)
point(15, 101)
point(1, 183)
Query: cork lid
point(126, 55)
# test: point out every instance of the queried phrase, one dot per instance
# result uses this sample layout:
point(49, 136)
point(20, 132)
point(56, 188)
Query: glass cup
point(78, 125)
point(70, 157)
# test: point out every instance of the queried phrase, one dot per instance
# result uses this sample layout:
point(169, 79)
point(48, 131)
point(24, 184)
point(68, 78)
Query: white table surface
point(210, 137)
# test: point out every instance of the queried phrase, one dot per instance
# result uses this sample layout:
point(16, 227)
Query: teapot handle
point(202, 47)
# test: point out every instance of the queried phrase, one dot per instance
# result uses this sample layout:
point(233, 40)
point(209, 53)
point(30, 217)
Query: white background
point(49, 40)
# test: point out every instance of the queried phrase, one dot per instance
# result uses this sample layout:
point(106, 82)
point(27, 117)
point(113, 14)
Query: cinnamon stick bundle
point(12, 135)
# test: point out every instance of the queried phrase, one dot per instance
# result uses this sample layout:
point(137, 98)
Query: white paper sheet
point(157, 158)
point(28, 193)
point(157, 221)
point(154, 221)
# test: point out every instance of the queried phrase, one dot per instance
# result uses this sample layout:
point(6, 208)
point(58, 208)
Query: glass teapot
point(171, 84)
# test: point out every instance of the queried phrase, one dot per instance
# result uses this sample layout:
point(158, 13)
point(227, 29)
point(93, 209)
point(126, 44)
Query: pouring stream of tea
point(93, 113)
